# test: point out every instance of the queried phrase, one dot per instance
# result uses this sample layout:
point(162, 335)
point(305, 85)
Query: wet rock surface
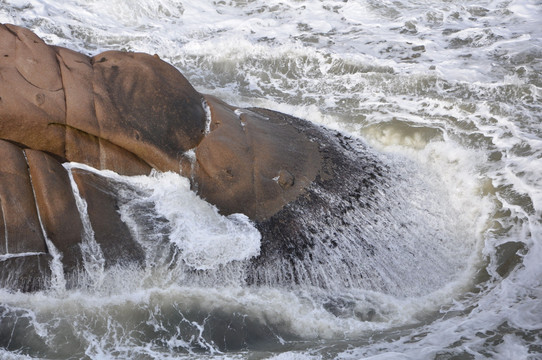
point(130, 113)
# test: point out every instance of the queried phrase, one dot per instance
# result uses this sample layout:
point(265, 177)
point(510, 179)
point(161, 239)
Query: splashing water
point(449, 89)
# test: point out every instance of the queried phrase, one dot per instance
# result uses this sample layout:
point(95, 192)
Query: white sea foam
point(4, 257)
point(205, 238)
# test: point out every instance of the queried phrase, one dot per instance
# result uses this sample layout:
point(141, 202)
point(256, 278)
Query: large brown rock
point(126, 112)
point(130, 113)
point(121, 111)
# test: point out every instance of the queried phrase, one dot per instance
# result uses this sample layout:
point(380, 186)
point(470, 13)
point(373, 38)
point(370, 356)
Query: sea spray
point(180, 230)
point(464, 77)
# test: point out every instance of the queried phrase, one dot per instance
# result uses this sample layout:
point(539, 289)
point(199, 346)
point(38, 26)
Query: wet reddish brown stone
point(127, 112)
point(31, 92)
point(245, 159)
point(21, 226)
point(147, 107)
point(57, 208)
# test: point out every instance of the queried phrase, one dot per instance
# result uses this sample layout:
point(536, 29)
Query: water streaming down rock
point(92, 255)
point(180, 234)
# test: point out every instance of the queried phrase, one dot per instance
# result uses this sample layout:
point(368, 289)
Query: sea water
point(451, 89)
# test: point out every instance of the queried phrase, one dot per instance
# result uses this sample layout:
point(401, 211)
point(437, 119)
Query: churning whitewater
point(446, 94)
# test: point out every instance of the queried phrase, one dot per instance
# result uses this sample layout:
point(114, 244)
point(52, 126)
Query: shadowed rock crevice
point(58, 212)
point(23, 253)
point(22, 226)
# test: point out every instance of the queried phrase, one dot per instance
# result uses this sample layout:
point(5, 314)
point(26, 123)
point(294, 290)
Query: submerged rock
point(132, 112)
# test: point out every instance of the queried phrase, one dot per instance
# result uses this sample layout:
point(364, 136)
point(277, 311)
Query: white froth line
point(75, 165)
point(191, 156)
point(240, 112)
point(18, 255)
point(208, 117)
point(5, 226)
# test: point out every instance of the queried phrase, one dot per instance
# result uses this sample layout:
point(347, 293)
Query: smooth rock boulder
point(252, 164)
point(132, 112)
point(147, 107)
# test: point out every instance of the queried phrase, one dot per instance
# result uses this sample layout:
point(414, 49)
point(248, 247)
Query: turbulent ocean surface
point(450, 89)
